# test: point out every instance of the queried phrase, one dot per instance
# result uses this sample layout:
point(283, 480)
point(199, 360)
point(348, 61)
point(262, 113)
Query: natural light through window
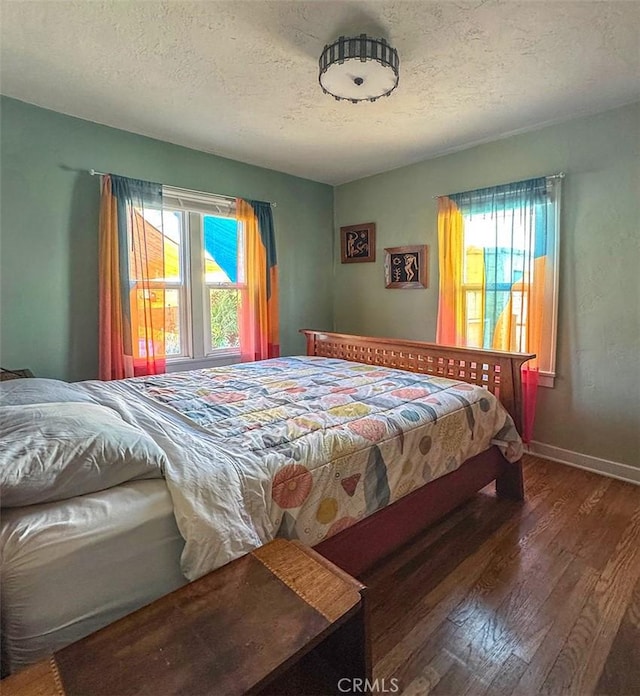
point(499, 251)
point(496, 248)
point(195, 261)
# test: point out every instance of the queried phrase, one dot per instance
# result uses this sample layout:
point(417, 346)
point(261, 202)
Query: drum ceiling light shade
point(359, 69)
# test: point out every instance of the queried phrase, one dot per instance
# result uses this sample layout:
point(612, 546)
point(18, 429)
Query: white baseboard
point(605, 467)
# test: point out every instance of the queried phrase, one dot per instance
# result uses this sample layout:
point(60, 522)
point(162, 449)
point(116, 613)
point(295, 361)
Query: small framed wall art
point(358, 243)
point(406, 267)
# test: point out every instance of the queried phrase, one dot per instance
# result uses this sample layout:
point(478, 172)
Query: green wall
point(49, 221)
point(48, 251)
point(594, 407)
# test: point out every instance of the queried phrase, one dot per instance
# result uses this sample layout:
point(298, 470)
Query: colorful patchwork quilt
point(303, 447)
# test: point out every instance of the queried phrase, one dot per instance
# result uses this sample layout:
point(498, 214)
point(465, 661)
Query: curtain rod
point(559, 175)
point(94, 172)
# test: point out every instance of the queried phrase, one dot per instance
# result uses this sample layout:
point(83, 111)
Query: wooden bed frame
point(359, 547)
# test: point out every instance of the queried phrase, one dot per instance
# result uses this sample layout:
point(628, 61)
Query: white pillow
point(38, 390)
point(61, 450)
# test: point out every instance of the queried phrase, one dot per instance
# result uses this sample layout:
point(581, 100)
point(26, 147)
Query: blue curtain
point(264, 216)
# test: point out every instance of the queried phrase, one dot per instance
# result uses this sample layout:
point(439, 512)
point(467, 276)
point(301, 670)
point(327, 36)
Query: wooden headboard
point(497, 371)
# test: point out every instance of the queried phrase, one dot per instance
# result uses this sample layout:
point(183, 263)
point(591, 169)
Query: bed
point(352, 449)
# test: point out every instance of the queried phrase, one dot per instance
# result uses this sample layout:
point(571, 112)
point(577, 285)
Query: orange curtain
point(131, 269)
point(450, 327)
point(111, 343)
point(258, 320)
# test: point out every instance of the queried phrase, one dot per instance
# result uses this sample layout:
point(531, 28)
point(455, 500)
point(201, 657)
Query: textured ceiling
point(239, 78)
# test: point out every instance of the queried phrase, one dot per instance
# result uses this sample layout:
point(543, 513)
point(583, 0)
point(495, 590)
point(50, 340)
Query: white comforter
point(211, 490)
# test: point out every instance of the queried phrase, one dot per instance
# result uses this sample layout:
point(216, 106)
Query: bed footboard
point(497, 371)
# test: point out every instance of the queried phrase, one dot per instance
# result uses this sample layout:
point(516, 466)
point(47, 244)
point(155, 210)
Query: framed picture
point(406, 267)
point(358, 243)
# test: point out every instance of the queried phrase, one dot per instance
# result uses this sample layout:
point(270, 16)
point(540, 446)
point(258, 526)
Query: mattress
point(71, 567)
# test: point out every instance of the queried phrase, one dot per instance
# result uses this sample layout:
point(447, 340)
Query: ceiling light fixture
point(359, 68)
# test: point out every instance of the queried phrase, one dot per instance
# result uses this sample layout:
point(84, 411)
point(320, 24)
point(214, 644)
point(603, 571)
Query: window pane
point(223, 311)
point(473, 266)
point(155, 316)
point(519, 308)
point(506, 229)
point(222, 250)
point(497, 255)
point(156, 250)
point(474, 318)
point(172, 228)
point(173, 334)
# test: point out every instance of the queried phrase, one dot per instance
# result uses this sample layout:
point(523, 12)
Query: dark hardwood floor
point(540, 597)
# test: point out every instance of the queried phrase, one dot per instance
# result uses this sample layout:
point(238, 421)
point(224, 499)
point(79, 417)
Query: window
point(505, 240)
point(224, 281)
point(496, 253)
point(195, 257)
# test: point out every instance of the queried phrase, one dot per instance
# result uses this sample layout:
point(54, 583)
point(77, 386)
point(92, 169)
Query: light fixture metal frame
point(355, 47)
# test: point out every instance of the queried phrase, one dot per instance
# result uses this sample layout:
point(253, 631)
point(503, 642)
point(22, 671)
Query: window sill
point(183, 364)
point(546, 379)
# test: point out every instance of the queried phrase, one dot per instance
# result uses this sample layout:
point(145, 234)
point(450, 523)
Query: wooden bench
point(281, 620)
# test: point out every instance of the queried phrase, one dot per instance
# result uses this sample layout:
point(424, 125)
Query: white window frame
point(183, 286)
point(240, 285)
point(196, 310)
point(183, 289)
